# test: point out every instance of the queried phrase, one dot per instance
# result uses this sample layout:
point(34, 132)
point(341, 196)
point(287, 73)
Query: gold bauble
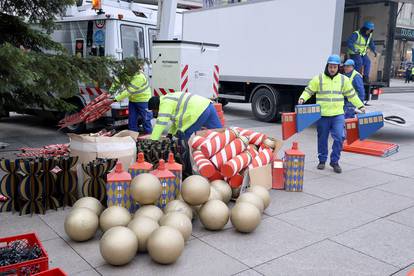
point(118, 245)
point(81, 224)
point(253, 199)
point(146, 188)
point(215, 194)
point(143, 227)
point(178, 221)
point(90, 203)
point(224, 188)
point(114, 216)
point(245, 217)
point(165, 245)
point(179, 206)
point(214, 214)
point(262, 192)
point(150, 211)
point(195, 190)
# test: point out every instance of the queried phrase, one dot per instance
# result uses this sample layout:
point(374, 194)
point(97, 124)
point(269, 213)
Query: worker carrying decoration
point(138, 92)
point(330, 88)
point(358, 44)
point(184, 112)
point(357, 82)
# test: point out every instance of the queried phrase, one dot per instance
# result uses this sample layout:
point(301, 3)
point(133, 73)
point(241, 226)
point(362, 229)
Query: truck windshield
point(82, 38)
point(132, 41)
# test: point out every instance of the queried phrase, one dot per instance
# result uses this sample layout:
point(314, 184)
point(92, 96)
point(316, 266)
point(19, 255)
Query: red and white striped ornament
point(205, 167)
point(216, 176)
point(254, 137)
point(229, 151)
point(252, 149)
point(218, 142)
point(262, 159)
point(236, 164)
point(199, 140)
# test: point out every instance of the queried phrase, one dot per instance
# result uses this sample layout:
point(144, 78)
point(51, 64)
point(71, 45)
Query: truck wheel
point(264, 104)
point(77, 128)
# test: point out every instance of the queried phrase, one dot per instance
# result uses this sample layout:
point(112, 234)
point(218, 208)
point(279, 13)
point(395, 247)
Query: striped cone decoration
point(231, 150)
point(253, 151)
point(236, 164)
point(255, 138)
point(218, 142)
point(262, 159)
point(216, 176)
point(205, 167)
point(199, 140)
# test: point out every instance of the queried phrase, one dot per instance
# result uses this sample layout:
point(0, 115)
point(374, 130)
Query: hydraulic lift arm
point(166, 19)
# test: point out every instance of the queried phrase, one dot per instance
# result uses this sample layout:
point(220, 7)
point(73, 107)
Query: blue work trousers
point(136, 111)
point(208, 119)
point(349, 110)
point(362, 61)
point(335, 126)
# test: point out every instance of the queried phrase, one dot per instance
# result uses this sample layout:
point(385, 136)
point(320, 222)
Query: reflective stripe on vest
point(177, 109)
point(361, 44)
point(138, 90)
point(353, 75)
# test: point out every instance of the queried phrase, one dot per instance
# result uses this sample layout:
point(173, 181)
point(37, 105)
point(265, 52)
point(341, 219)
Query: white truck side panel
point(270, 41)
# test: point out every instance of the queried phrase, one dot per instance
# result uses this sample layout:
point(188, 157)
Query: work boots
point(321, 166)
point(336, 167)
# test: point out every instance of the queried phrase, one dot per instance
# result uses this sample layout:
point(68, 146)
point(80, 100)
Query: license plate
point(121, 122)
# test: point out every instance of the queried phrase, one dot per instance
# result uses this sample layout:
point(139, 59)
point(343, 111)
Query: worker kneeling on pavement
point(330, 88)
point(357, 82)
point(186, 112)
point(138, 93)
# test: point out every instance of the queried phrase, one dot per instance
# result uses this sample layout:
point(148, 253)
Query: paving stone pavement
point(359, 222)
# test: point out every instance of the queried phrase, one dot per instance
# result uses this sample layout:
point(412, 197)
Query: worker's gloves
point(362, 109)
point(301, 101)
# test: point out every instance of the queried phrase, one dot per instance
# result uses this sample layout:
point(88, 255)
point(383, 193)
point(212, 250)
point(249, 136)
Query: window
point(132, 41)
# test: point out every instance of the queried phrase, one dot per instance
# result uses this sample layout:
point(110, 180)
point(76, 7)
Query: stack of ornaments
point(227, 154)
point(163, 233)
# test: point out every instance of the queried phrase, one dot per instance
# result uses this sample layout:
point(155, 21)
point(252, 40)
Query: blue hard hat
point(334, 59)
point(349, 62)
point(369, 25)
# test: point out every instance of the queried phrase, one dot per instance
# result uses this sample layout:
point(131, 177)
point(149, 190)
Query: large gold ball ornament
point(81, 224)
point(118, 245)
point(114, 216)
point(180, 222)
point(146, 188)
point(90, 203)
point(214, 214)
point(224, 188)
point(245, 217)
point(262, 192)
point(215, 194)
point(143, 227)
point(253, 199)
point(165, 245)
point(150, 211)
point(179, 206)
point(195, 190)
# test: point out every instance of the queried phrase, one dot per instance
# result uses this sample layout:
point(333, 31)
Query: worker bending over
point(357, 82)
point(358, 44)
point(330, 88)
point(138, 93)
point(186, 112)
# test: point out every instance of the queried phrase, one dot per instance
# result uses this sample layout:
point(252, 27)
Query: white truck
point(270, 49)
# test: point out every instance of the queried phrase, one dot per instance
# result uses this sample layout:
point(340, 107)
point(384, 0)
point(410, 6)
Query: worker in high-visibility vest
point(358, 44)
point(138, 93)
point(187, 113)
point(330, 88)
point(412, 73)
point(357, 82)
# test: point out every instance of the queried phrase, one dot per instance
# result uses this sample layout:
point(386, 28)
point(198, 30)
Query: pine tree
point(30, 75)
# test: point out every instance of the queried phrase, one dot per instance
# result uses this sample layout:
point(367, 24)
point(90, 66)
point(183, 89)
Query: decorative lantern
point(278, 181)
point(139, 167)
point(117, 188)
point(177, 170)
point(167, 180)
point(294, 169)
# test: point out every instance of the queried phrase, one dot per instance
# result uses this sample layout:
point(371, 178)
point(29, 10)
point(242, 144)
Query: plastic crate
point(27, 267)
point(52, 272)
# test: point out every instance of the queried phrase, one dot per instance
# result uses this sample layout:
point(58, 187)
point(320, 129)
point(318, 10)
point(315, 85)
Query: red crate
point(28, 267)
point(52, 272)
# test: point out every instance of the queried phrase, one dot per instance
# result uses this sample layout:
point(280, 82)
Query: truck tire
point(78, 128)
point(265, 104)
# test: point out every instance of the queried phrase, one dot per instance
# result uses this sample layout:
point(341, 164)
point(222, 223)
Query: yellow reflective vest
point(137, 91)
point(361, 44)
point(180, 109)
point(353, 75)
point(330, 93)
